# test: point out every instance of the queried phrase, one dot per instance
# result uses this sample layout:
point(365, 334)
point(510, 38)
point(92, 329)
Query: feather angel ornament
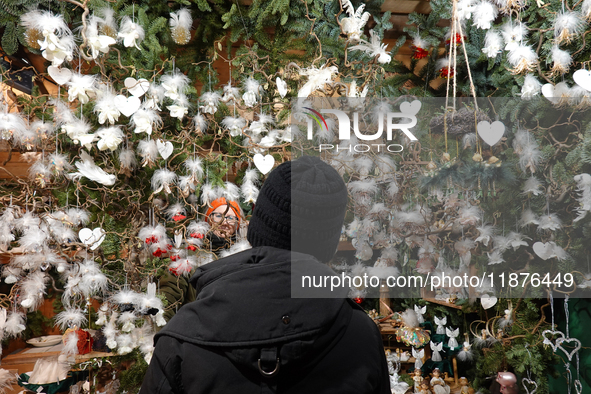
point(110, 331)
point(182, 264)
point(374, 48)
point(567, 25)
point(200, 123)
point(210, 100)
point(550, 222)
point(70, 317)
point(492, 43)
point(197, 232)
point(98, 43)
point(127, 321)
point(179, 108)
point(11, 124)
point(209, 194)
point(234, 125)
point(513, 34)
point(533, 186)
point(435, 349)
point(528, 217)
point(40, 174)
point(131, 33)
point(523, 59)
point(149, 303)
point(106, 22)
point(87, 168)
point(145, 120)
point(92, 281)
point(180, 26)
point(43, 130)
point(440, 324)
point(175, 85)
point(15, 324)
point(80, 87)
point(466, 354)
point(252, 89)
point(464, 9)
point(127, 161)
point(452, 334)
point(110, 138)
point(40, 25)
point(125, 344)
point(531, 87)
point(584, 189)
point(194, 167)
point(58, 164)
point(176, 212)
point(483, 14)
point(148, 151)
point(561, 60)
point(248, 189)
point(126, 299)
point(352, 25)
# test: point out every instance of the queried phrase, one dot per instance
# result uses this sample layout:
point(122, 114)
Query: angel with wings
point(420, 312)
point(353, 24)
point(435, 349)
point(440, 324)
point(452, 334)
point(418, 355)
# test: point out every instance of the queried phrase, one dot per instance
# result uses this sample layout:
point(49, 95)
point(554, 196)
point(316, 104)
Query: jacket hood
point(244, 304)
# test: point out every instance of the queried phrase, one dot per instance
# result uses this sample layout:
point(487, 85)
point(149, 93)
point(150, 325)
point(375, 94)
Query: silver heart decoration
point(570, 354)
point(548, 339)
point(531, 383)
point(578, 386)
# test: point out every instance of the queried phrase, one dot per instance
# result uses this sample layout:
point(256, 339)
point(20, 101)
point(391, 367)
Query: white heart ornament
point(92, 238)
point(578, 386)
point(127, 105)
point(410, 108)
point(491, 133)
point(61, 76)
point(571, 353)
point(263, 163)
point(488, 302)
point(178, 238)
point(543, 250)
point(548, 339)
point(583, 78)
point(164, 148)
point(137, 87)
point(530, 383)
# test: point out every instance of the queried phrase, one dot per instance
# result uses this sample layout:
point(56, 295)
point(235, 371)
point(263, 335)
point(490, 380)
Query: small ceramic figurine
point(438, 384)
point(425, 388)
point(417, 376)
point(464, 386)
point(508, 382)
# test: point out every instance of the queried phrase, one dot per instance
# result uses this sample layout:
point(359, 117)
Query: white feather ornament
point(127, 320)
point(180, 26)
point(180, 108)
point(234, 125)
point(586, 10)
point(110, 331)
point(363, 187)
point(124, 344)
point(163, 179)
point(200, 123)
point(317, 78)
point(464, 9)
point(80, 86)
point(154, 97)
point(492, 43)
point(440, 324)
point(130, 32)
point(211, 101)
point(70, 344)
point(149, 301)
point(561, 59)
point(76, 127)
point(194, 167)
point(69, 318)
point(483, 14)
point(533, 186)
point(183, 265)
point(43, 130)
point(531, 87)
point(176, 212)
point(40, 174)
point(549, 222)
point(175, 84)
point(208, 194)
point(34, 240)
point(513, 34)
point(107, 24)
point(567, 25)
point(496, 257)
point(61, 112)
point(238, 247)
point(528, 217)
point(148, 151)
point(127, 161)
point(584, 189)
point(186, 185)
point(40, 25)
point(363, 165)
point(33, 290)
point(145, 120)
point(110, 138)
point(102, 315)
point(353, 24)
point(466, 355)
point(58, 164)
point(153, 234)
point(93, 280)
point(252, 89)
point(11, 274)
point(11, 124)
point(409, 318)
point(523, 59)
point(87, 168)
point(26, 140)
point(15, 324)
point(98, 43)
point(231, 93)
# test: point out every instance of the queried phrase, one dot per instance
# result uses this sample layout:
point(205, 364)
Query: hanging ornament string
point(449, 62)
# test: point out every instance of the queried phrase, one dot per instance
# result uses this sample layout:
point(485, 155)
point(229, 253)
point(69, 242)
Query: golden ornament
point(180, 35)
point(431, 165)
point(446, 157)
point(33, 36)
point(477, 157)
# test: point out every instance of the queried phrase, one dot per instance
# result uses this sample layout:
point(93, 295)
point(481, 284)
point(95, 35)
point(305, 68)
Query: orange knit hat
point(222, 201)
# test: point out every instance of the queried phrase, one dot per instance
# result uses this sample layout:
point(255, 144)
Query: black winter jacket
point(245, 334)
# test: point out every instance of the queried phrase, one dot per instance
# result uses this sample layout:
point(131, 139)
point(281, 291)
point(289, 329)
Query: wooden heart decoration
point(527, 382)
point(92, 238)
point(543, 250)
point(127, 105)
point(488, 302)
point(572, 352)
point(491, 133)
point(583, 78)
point(263, 163)
point(137, 87)
point(164, 148)
point(61, 76)
point(549, 338)
point(412, 108)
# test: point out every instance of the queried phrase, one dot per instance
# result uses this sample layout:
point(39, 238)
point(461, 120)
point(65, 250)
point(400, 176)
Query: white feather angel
point(110, 331)
point(352, 25)
point(33, 290)
point(317, 78)
point(197, 232)
point(145, 120)
point(492, 43)
point(531, 87)
point(483, 14)
point(175, 84)
point(567, 25)
point(11, 124)
point(466, 354)
point(127, 320)
point(80, 86)
point(179, 108)
point(106, 108)
point(69, 318)
point(180, 26)
point(163, 179)
point(93, 281)
point(127, 161)
point(181, 264)
point(549, 222)
point(452, 334)
point(420, 311)
point(374, 48)
point(210, 101)
point(125, 344)
point(533, 186)
point(208, 194)
point(87, 168)
point(252, 89)
point(248, 188)
point(234, 125)
point(440, 324)
point(435, 349)
point(98, 43)
point(148, 151)
point(131, 33)
point(40, 173)
point(561, 59)
point(42, 24)
point(513, 34)
point(110, 138)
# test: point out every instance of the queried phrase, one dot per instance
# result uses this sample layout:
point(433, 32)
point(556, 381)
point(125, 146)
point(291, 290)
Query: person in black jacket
point(245, 333)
